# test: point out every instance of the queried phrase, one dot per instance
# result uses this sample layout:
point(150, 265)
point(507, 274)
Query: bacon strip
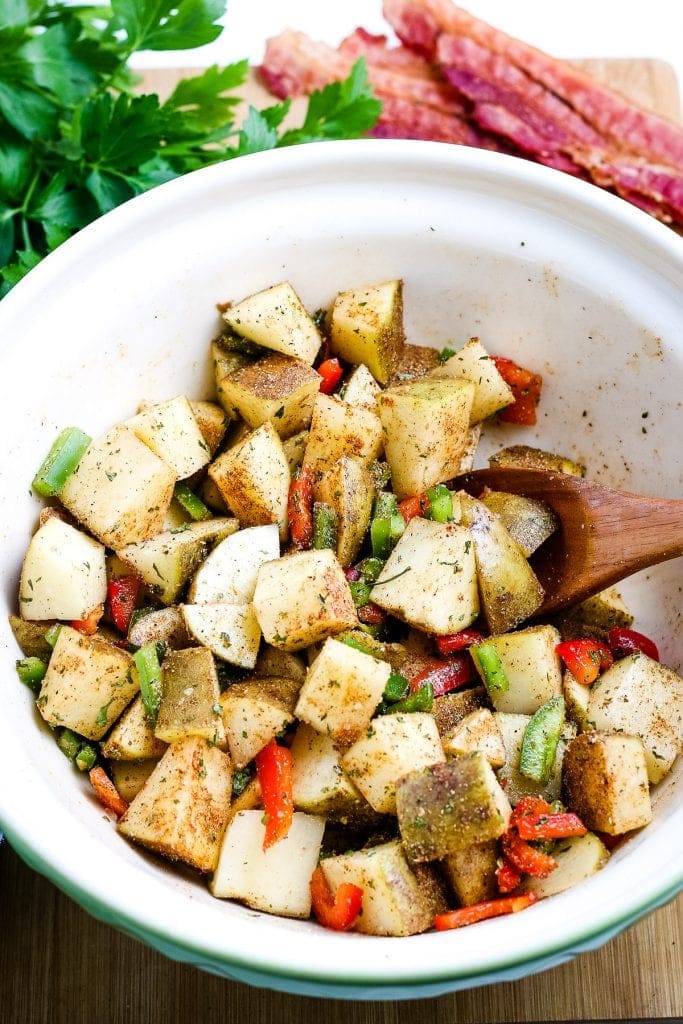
point(418, 23)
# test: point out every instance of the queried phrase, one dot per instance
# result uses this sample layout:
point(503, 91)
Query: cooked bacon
point(376, 48)
point(403, 119)
point(500, 120)
point(418, 23)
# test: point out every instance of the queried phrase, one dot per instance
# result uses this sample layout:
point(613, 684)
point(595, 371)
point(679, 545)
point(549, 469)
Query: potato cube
point(272, 662)
point(130, 776)
point(392, 746)
point(477, 731)
point(182, 810)
point(87, 684)
point(225, 362)
point(254, 479)
point(446, 807)
point(230, 631)
point(430, 578)
point(415, 361)
point(212, 422)
point(276, 319)
point(276, 880)
point(425, 424)
point(576, 698)
point(521, 456)
point(339, 429)
point(303, 598)
point(189, 706)
point(531, 666)
point(30, 637)
point(604, 779)
point(294, 449)
point(254, 712)
point(342, 691)
point(512, 728)
point(276, 389)
point(132, 737)
point(397, 900)
point(228, 574)
point(529, 522)
point(642, 698)
point(472, 362)
point(450, 709)
point(166, 626)
point(470, 449)
point(366, 326)
point(471, 872)
point(172, 432)
point(577, 859)
point(64, 574)
point(361, 389)
point(348, 489)
point(120, 490)
point(319, 785)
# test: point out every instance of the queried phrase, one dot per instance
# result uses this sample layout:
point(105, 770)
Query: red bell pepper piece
point(89, 624)
point(628, 641)
point(525, 386)
point(123, 595)
point(458, 641)
point(372, 615)
point(300, 509)
point(508, 876)
point(331, 373)
point(525, 858)
point(585, 659)
point(550, 826)
point(107, 792)
point(337, 912)
point(445, 675)
point(411, 508)
point(483, 911)
point(274, 772)
point(529, 805)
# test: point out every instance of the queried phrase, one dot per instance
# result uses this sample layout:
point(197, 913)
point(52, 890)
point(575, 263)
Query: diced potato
point(529, 522)
point(167, 561)
point(508, 587)
point(471, 872)
point(447, 807)
point(512, 728)
point(415, 361)
point(470, 449)
point(212, 497)
point(642, 698)
point(531, 666)
point(425, 424)
point(342, 691)
point(230, 631)
point(576, 698)
point(228, 574)
point(276, 880)
point(361, 389)
point(348, 489)
point(604, 780)
point(120, 489)
point(130, 776)
point(319, 785)
point(477, 731)
point(182, 809)
point(254, 712)
point(64, 574)
point(176, 518)
point(366, 326)
point(294, 449)
point(166, 626)
point(275, 389)
point(254, 479)
point(30, 636)
point(172, 432)
point(577, 859)
point(521, 456)
point(396, 899)
point(339, 429)
point(303, 598)
point(273, 662)
point(472, 362)
point(132, 737)
point(276, 319)
point(212, 422)
point(594, 617)
point(429, 579)
point(450, 709)
point(189, 706)
point(87, 684)
point(225, 361)
point(393, 745)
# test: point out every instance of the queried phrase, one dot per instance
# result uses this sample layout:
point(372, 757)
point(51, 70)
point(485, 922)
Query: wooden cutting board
point(58, 966)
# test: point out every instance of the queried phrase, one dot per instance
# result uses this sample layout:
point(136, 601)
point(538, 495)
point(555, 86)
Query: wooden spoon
point(604, 535)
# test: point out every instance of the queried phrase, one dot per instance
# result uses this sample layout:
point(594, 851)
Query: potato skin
point(604, 780)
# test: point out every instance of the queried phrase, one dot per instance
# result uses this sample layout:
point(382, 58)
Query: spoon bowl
point(604, 535)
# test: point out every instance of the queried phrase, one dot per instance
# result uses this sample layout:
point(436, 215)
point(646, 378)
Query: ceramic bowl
point(543, 268)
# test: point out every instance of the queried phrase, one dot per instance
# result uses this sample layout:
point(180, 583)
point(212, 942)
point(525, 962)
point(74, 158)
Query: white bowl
point(548, 270)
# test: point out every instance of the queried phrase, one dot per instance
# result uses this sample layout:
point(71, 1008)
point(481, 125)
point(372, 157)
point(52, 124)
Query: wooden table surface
point(58, 966)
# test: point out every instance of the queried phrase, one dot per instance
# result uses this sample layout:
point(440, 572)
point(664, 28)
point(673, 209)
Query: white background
point(570, 28)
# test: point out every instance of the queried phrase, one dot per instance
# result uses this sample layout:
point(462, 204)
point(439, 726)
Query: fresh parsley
point(76, 139)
